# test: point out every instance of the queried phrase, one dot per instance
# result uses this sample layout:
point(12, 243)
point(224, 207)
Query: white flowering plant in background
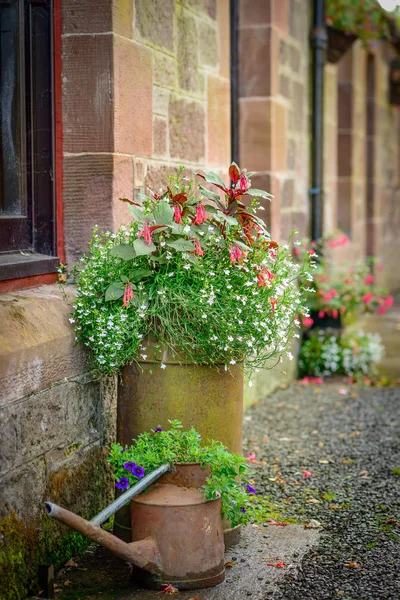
point(196, 271)
point(354, 354)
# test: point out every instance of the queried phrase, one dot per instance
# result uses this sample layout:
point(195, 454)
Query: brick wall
point(273, 79)
point(146, 89)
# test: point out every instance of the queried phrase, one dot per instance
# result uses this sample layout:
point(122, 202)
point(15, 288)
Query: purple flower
point(138, 472)
point(129, 466)
point(123, 449)
point(250, 489)
point(158, 429)
point(122, 484)
point(243, 510)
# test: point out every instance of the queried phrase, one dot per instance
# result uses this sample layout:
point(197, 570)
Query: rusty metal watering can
point(177, 535)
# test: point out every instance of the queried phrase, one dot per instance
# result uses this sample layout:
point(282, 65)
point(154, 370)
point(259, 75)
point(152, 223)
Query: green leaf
point(114, 291)
point(137, 213)
point(243, 246)
point(177, 228)
point(181, 245)
point(163, 213)
point(212, 177)
point(139, 274)
point(124, 251)
point(210, 208)
point(141, 248)
point(220, 216)
point(259, 193)
point(191, 258)
point(207, 194)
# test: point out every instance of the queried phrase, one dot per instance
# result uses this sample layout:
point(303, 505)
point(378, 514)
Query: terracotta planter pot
point(338, 44)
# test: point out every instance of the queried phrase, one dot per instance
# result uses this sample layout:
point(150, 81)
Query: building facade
point(100, 99)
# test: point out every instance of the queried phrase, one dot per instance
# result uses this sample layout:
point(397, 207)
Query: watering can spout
point(143, 554)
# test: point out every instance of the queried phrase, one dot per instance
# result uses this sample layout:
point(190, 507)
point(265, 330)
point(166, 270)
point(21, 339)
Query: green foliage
point(203, 280)
point(396, 471)
point(229, 473)
point(354, 354)
point(364, 18)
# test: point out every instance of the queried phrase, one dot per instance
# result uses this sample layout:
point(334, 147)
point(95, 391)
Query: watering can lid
point(170, 495)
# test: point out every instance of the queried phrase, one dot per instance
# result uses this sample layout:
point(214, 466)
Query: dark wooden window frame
point(28, 242)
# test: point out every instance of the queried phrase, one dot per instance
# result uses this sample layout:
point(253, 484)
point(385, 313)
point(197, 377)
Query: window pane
point(11, 111)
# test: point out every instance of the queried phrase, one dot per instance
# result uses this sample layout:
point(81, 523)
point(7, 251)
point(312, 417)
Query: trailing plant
point(340, 289)
point(354, 354)
point(364, 18)
point(229, 472)
point(197, 272)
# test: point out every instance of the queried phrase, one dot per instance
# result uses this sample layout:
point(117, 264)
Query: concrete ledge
point(37, 345)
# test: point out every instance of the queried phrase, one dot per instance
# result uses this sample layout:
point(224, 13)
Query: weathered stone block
point(294, 59)
point(122, 187)
point(80, 16)
point(160, 136)
point(160, 101)
point(133, 93)
point(345, 154)
point(259, 46)
point(291, 155)
point(157, 177)
point(284, 86)
point(255, 12)
point(88, 103)
point(187, 52)
point(218, 121)
point(224, 38)
point(208, 44)
point(345, 105)
point(122, 17)
point(155, 21)
point(287, 196)
point(164, 70)
point(186, 129)
point(37, 346)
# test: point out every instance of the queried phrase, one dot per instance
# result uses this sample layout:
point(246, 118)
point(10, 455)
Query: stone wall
point(274, 108)
point(54, 422)
point(154, 76)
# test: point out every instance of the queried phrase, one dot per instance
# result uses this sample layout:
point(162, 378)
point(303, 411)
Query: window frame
point(38, 256)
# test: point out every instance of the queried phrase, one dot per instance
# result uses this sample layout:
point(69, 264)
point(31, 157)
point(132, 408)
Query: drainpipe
point(318, 45)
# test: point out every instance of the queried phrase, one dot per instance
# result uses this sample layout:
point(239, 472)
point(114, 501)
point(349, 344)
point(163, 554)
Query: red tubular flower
point(264, 276)
point(321, 314)
point(201, 215)
point(367, 297)
point(243, 183)
point(198, 249)
point(273, 302)
point(389, 301)
point(236, 254)
point(369, 279)
point(177, 214)
point(146, 234)
point(128, 295)
point(335, 314)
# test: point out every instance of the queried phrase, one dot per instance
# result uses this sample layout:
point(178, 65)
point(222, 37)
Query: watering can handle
point(129, 494)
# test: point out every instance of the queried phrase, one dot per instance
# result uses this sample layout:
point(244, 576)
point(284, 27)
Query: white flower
point(297, 243)
point(171, 274)
point(91, 339)
point(162, 366)
point(71, 320)
point(230, 338)
point(250, 384)
point(227, 272)
point(201, 233)
point(204, 316)
point(187, 267)
point(186, 229)
point(144, 356)
point(232, 362)
point(289, 355)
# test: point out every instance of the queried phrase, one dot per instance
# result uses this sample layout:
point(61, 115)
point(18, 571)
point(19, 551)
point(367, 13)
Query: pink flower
point(369, 279)
point(198, 249)
point(308, 321)
point(382, 310)
point(243, 183)
point(307, 474)
point(296, 251)
point(251, 457)
point(343, 391)
point(329, 295)
point(128, 295)
point(379, 267)
point(177, 214)
point(201, 215)
point(311, 251)
point(236, 253)
point(146, 234)
point(389, 301)
point(308, 379)
point(367, 297)
point(335, 314)
point(321, 314)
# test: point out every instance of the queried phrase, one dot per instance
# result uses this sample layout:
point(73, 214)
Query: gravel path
point(348, 438)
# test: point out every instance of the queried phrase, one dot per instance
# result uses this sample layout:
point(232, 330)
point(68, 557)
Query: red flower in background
point(128, 295)
point(367, 297)
point(201, 215)
point(369, 279)
point(198, 250)
point(178, 214)
point(236, 254)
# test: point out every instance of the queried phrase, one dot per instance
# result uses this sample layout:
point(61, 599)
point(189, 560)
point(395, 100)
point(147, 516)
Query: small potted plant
point(210, 467)
point(341, 293)
point(348, 20)
point(185, 298)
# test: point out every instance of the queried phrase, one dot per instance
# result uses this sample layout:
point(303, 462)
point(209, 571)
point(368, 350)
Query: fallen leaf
point(314, 432)
point(272, 522)
point(317, 390)
point(229, 564)
point(354, 434)
point(363, 473)
point(323, 461)
point(313, 524)
point(279, 565)
point(334, 506)
point(168, 589)
point(251, 457)
point(67, 582)
point(354, 565)
point(312, 501)
point(320, 444)
point(70, 563)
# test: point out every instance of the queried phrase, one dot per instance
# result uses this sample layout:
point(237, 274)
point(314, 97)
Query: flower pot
point(338, 44)
point(205, 397)
point(325, 322)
